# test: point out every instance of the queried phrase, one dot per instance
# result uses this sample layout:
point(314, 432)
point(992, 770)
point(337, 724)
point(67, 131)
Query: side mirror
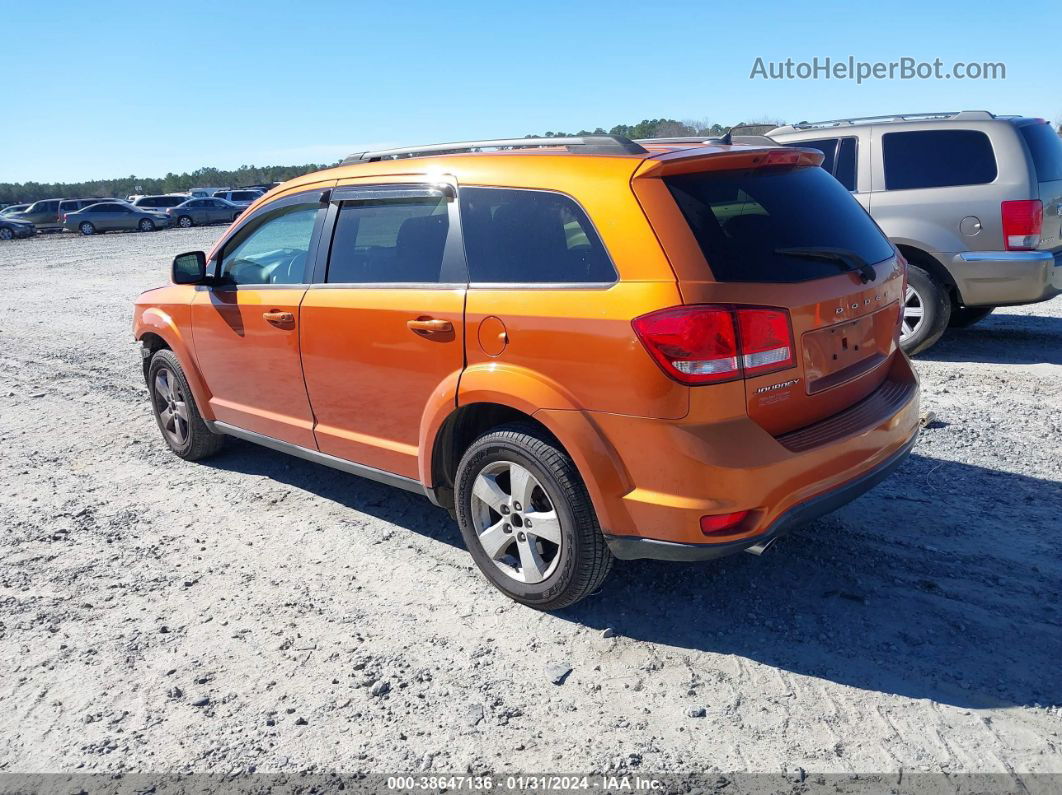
point(189, 268)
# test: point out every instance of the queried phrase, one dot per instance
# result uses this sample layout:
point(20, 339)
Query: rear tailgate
point(724, 231)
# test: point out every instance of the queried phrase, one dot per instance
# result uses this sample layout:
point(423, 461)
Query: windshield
point(745, 220)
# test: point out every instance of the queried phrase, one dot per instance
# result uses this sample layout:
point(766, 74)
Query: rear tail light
point(718, 524)
point(1023, 222)
point(703, 344)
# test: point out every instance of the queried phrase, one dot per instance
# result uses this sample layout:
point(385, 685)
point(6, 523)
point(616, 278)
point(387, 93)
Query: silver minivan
point(972, 200)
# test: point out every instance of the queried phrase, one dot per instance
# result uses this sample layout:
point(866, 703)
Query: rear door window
point(742, 218)
point(389, 241)
point(937, 159)
point(845, 170)
point(1045, 146)
point(530, 237)
point(838, 157)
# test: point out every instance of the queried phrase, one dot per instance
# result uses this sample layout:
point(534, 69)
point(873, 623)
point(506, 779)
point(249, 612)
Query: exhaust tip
point(760, 548)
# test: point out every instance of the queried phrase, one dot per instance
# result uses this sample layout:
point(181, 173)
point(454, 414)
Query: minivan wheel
point(146, 225)
point(87, 228)
point(964, 316)
point(184, 222)
point(175, 411)
point(527, 520)
point(925, 312)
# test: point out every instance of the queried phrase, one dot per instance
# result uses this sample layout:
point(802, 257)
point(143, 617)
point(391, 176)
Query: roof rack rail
point(586, 144)
point(958, 115)
point(753, 140)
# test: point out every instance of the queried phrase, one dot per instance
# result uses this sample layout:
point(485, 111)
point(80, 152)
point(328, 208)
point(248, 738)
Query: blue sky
point(144, 88)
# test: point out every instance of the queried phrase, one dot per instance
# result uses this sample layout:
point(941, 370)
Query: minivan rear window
point(742, 218)
point(1045, 146)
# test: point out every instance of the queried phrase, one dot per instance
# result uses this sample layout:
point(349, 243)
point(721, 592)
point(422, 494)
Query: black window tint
point(937, 159)
point(846, 163)
point(272, 250)
point(828, 147)
point(742, 218)
point(527, 236)
point(1045, 146)
point(389, 241)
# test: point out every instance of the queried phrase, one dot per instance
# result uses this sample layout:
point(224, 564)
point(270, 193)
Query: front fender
point(155, 320)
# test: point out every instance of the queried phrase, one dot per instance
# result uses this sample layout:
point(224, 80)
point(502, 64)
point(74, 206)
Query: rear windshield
point(742, 218)
point(1046, 148)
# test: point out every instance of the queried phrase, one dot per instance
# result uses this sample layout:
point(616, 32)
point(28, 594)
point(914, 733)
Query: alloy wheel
point(6, 234)
point(515, 522)
point(914, 313)
point(171, 406)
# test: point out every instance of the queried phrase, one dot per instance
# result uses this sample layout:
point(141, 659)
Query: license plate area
point(839, 353)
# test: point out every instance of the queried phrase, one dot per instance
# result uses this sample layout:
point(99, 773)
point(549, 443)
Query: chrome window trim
point(541, 285)
point(388, 285)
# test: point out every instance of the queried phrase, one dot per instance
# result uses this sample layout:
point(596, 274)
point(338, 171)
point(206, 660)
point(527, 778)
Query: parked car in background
point(243, 197)
point(162, 202)
point(198, 212)
point(203, 193)
point(608, 350)
point(67, 206)
point(113, 216)
point(11, 229)
point(43, 214)
point(11, 209)
point(972, 200)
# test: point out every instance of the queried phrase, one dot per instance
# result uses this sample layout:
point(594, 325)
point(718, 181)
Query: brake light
point(1023, 222)
point(703, 344)
point(722, 523)
point(765, 339)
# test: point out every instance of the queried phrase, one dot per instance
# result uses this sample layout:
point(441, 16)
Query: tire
point(86, 228)
point(185, 433)
point(528, 568)
point(6, 233)
point(185, 222)
point(965, 316)
point(926, 311)
point(146, 225)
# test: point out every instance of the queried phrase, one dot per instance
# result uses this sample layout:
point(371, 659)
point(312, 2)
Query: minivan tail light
point(694, 345)
point(1023, 222)
point(705, 344)
point(765, 339)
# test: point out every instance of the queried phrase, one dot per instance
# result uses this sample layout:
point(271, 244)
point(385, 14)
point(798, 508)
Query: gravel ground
point(260, 612)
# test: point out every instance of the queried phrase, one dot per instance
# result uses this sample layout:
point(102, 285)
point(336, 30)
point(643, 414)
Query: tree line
point(669, 128)
point(12, 192)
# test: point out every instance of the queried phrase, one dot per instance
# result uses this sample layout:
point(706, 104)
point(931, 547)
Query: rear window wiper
point(841, 255)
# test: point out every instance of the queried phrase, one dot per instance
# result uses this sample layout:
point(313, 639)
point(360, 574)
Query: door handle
point(279, 318)
point(426, 326)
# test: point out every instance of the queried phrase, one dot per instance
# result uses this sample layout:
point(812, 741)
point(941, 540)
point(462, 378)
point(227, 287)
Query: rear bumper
point(1000, 278)
point(634, 548)
point(673, 472)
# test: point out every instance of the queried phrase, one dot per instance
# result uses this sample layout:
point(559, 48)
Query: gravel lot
point(260, 612)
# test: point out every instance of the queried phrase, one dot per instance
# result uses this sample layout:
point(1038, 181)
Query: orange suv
point(584, 348)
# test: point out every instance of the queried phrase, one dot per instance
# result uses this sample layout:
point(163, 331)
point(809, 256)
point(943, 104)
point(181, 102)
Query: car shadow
point(402, 508)
point(943, 583)
point(1001, 339)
